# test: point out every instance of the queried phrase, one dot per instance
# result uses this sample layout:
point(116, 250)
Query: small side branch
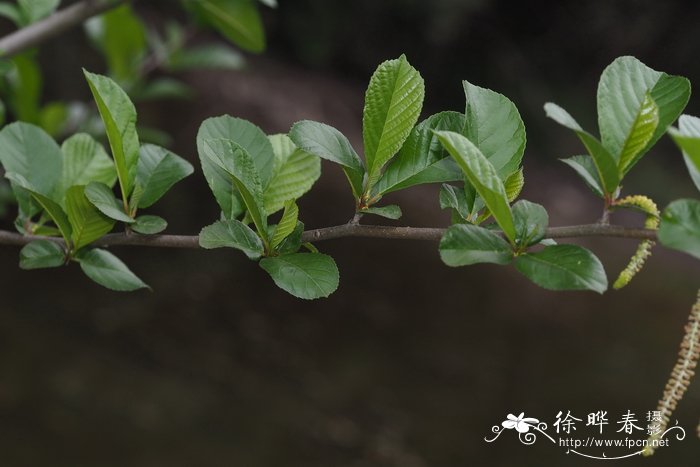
point(40, 32)
point(338, 231)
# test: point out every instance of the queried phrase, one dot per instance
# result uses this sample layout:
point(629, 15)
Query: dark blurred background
point(410, 362)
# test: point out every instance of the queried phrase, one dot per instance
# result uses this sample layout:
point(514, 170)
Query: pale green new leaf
point(643, 128)
point(465, 244)
point(109, 271)
point(238, 20)
point(102, 197)
point(623, 87)
point(85, 161)
point(328, 143)
point(605, 162)
point(494, 125)
point(149, 225)
point(294, 173)
point(286, 225)
point(482, 176)
point(422, 159)
point(236, 161)
point(563, 267)
point(304, 275)
point(389, 212)
point(87, 222)
point(514, 185)
point(393, 102)
point(157, 171)
point(232, 234)
point(41, 254)
point(119, 117)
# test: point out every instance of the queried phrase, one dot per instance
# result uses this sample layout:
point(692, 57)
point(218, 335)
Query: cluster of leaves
point(67, 190)
point(131, 52)
point(257, 179)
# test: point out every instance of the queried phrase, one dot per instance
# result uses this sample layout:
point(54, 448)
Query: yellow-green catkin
point(681, 375)
point(644, 249)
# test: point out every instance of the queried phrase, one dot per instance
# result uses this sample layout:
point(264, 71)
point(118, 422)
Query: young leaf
point(249, 137)
point(294, 173)
point(109, 271)
point(87, 222)
point(101, 196)
point(422, 159)
point(292, 243)
point(454, 198)
point(605, 162)
point(286, 225)
point(393, 102)
point(483, 177)
point(232, 234)
point(494, 125)
point(389, 212)
point(514, 185)
point(328, 143)
point(680, 226)
point(157, 171)
point(623, 87)
point(563, 267)
point(465, 244)
point(149, 225)
point(238, 20)
point(304, 275)
point(236, 161)
point(85, 161)
point(41, 254)
point(119, 117)
point(585, 167)
point(641, 132)
point(531, 221)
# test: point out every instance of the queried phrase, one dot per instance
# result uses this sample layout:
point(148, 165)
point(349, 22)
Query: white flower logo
point(520, 423)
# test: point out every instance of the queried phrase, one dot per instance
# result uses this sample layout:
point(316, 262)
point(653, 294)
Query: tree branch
point(41, 31)
point(338, 231)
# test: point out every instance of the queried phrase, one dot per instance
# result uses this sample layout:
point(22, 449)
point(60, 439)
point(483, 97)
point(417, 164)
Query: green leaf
point(453, 197)
point(304, 275)
point(11, 12)
point(232, 234)
point(622, 90)
point(643, 128)
point(292, 243)
point(163, 88)
point(157, 171)
point(687, 138)
point(149, 225)
point(422, 159)
point(585, 167)
point(286, 225)
point(87, 222)
point(680, 226)
point(238, 20)
point(390, 212)
point(605, 162)
point(51, 207)
point(563, 267)
point(53, 117)
point(494, 125)
point(31, 153)
point(25, 83)
point(514, 185)
point(531, 221)
point(483, 176)
point(465, 244)
point(328, 143)
point(294, 173)
point(119, 117)
point(249, 137)
point(109, 271)
point(211, 56)
point(393, 102)
point(34, 10)
point(41, 254)
point(102, 197)
point(85, 161)
point(236, 161)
